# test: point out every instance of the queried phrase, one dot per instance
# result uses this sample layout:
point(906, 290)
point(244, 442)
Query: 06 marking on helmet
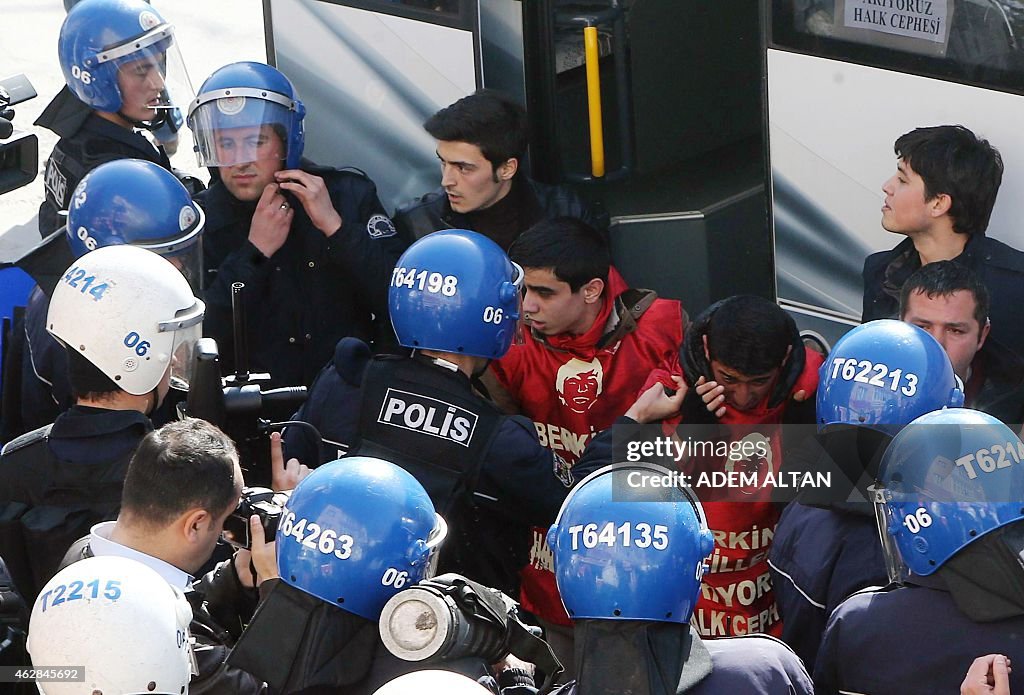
point(83, 234)
point(641, 535)
point(987, 461)
point(82, 75)
point(867, 372)
point(394, 577)
point(326, 541)
point(134, 340)
point(74, 592)
point(424, 280)
point(76, 275)
point(918, 520)
point(493, 314)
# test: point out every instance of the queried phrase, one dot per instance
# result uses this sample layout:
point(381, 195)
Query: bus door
point(845, 79)
point(653, 108)
point(370, 72)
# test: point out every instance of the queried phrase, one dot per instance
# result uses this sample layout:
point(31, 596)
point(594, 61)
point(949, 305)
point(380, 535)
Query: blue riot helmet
point(882, 375)
point(119, 56)
point(131, 201)
point(948, 479)
point(231, 109)
point(456, 291)
point(355, 532)
point(629, 544)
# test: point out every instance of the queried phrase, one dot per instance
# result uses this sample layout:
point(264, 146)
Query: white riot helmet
point(432, 682)
point(117, 621)
point(130, 313)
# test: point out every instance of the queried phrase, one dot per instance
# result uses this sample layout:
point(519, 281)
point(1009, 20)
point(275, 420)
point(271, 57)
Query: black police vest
point(37, 529)
point(427, 420)
point(64, 169)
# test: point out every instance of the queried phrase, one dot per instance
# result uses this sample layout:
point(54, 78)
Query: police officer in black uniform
point(152, 210)
point(312, 245)
point(122, 70)
point(454, 299)
point(948, 504)
point(127, 318)
point(629, 547)
point(826, 545)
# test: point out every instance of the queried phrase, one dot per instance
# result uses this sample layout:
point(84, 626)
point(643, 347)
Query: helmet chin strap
point(160, 119)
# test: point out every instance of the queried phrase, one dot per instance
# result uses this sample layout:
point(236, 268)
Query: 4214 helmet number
point(83, 282)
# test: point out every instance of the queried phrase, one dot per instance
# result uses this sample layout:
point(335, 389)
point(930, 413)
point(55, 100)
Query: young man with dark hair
point(481, 143)
point(746, 366)
point(941, 199)
point(950, 302)
point(591, 346)
point(182, 484)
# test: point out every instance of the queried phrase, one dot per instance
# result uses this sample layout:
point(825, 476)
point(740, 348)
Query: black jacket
point(752, 665)
point(312, 292)
point(517, 486)
point(86, 141)
point(533, 202)
point(909, 640)
point(57, 481)
point(1000, 267)
point(996, 383)
point(818, 558)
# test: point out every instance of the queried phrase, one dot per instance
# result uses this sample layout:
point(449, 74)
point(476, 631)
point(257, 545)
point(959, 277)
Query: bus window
point(449, 7)
point(974, 41)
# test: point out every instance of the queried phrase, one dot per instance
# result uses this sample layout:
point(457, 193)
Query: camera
point(19, 151)
point(447, 618)
point(450, 617)
point(261, 501)
point(236, 404)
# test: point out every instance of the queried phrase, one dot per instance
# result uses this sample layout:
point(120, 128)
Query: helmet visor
point(152, 79)
point(236, 128)
point(434, 543)
point(887, 527)
point(188, 329)
point(189, 261)
point(518, 281)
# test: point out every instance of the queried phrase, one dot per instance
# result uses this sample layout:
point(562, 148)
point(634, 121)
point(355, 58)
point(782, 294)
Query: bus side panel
point(369, 81)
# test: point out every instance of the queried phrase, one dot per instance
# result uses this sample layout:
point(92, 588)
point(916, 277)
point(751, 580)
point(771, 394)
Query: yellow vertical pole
point(594, 102)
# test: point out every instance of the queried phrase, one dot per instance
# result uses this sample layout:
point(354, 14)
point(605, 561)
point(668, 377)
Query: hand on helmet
point(315, 198)
point(271, 221)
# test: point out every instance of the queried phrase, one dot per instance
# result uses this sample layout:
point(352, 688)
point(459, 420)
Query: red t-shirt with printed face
point(572, 390)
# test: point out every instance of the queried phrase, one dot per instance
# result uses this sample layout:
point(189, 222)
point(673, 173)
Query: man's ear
point(507, 169)
point(984, 333)
point(940, 204)
point(707, 353)
point(592, 290)
point(194, 523)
